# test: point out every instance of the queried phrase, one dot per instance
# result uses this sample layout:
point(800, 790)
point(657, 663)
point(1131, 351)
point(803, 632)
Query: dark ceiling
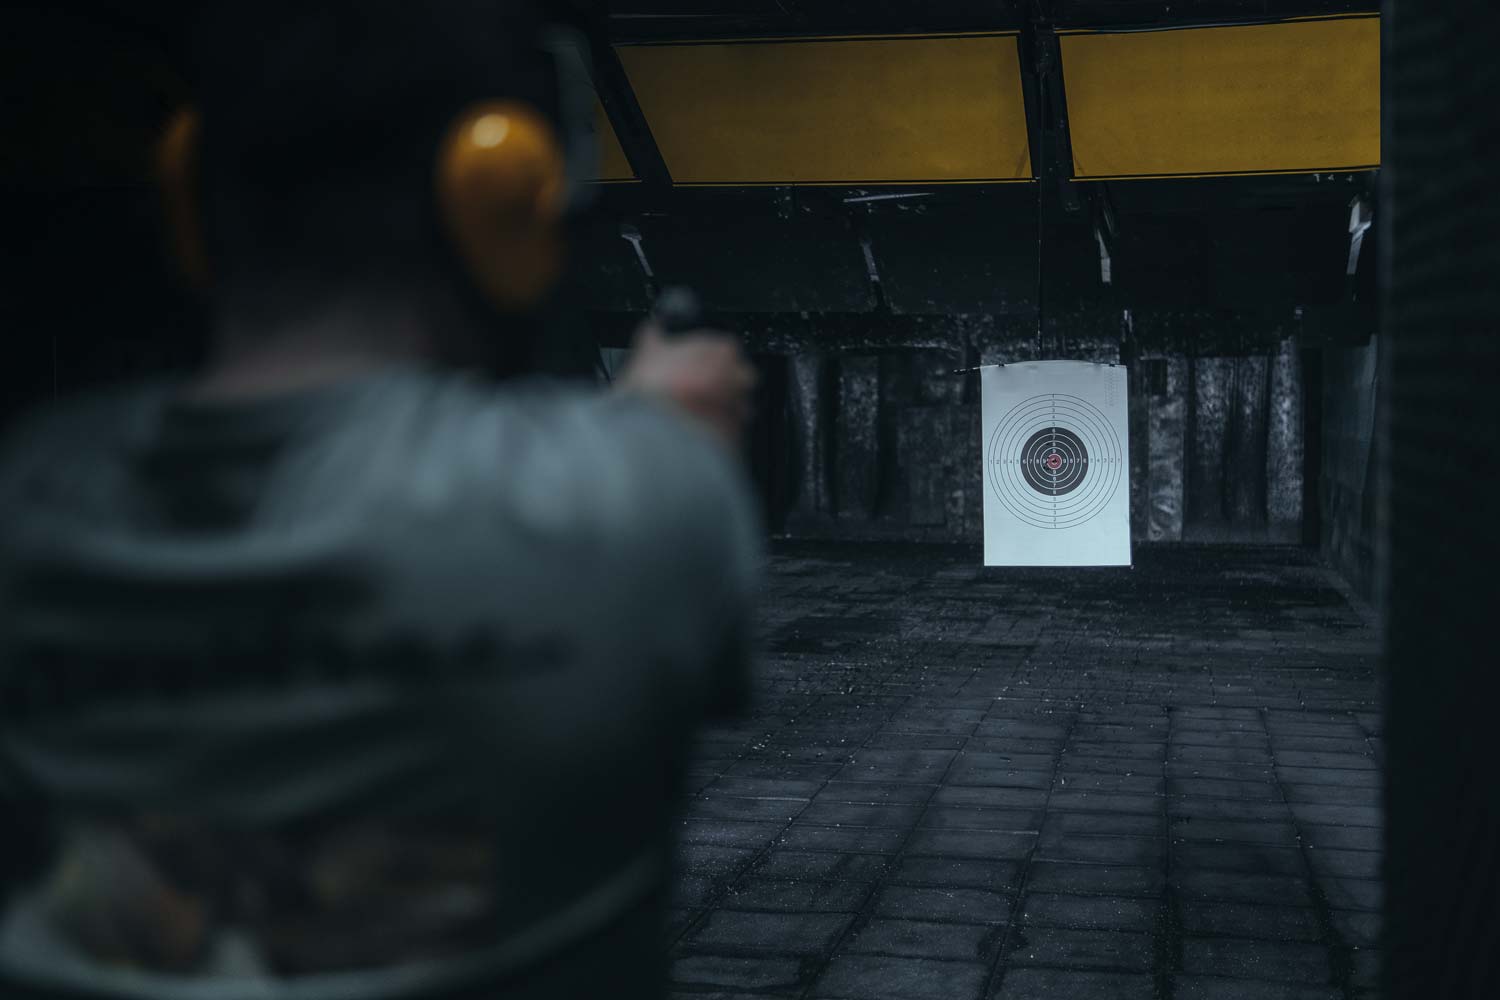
point(697, 18)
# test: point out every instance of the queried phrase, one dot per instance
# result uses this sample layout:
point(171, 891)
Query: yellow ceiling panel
point(870, 110)
point(1271, 98)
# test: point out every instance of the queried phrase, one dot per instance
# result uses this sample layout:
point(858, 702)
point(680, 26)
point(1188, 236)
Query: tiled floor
point(959, 783)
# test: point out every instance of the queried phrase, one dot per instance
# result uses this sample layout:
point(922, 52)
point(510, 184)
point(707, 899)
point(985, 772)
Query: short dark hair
point(320, 124)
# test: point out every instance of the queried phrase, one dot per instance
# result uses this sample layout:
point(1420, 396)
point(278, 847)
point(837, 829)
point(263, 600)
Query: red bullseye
point(1054, 462)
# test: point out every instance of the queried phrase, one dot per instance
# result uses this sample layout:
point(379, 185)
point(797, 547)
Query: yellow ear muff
point(500, 181)
point(177, 170)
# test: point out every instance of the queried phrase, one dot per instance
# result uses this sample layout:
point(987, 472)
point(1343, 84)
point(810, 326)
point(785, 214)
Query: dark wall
point(1243, 448)
point(87, 293)
point(1442, 324)
point(1347, 487)
point(885, 442)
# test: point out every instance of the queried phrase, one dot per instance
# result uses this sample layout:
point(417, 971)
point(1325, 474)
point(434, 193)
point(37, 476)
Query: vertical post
point(807, 404)
point(1440, 352)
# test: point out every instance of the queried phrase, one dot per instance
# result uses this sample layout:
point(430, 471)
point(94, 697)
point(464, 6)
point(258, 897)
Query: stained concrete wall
point(886, 443)
point(1158, 411)
point(1244, 448)
point(1346, 489)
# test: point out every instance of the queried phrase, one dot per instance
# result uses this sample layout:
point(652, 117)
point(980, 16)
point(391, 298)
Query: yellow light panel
point(1274, 98)
point(872, 110)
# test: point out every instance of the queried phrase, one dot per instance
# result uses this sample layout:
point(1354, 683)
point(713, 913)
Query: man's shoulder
point(620, 455)
point(86, 409)
point(74, 428)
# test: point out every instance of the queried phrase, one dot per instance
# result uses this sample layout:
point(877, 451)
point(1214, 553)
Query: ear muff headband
point(177, 171)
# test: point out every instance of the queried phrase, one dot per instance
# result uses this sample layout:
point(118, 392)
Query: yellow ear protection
point(503, 182)
point(500, 184)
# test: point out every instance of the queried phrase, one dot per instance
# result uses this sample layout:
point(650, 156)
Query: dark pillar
point(1284, 442)
point(1166, 426)
point(1246, 460)
point(922, 444)
point(1441, 257)
point(857, 437)
point(808, 429)
point(1211, 400)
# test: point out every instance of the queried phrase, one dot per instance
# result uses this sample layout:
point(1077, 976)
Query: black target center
point(1054, 461)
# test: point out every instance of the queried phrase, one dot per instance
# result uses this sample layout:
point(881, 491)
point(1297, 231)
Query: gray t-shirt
point(357, 690)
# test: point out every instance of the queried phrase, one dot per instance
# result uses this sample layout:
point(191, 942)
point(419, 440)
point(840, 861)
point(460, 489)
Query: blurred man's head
point(320, 130)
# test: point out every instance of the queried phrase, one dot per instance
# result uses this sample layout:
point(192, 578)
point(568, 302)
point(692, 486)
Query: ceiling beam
point(1153, 330)
point(796, 18)
point(613, 86)
point(1179, 14)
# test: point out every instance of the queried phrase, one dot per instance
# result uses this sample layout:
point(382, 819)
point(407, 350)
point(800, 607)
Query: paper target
point(1054, 461)
point(1056, 464)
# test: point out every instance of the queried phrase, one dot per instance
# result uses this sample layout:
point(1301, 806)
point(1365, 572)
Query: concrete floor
point(1108, 784)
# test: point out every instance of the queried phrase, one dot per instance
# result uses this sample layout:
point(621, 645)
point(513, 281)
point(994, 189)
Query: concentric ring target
point(1055, 461)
